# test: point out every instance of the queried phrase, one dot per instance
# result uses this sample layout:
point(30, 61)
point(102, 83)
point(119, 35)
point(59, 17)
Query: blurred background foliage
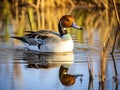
point(21, 15)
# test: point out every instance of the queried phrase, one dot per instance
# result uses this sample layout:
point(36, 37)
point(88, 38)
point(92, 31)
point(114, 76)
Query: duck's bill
point(76, 26)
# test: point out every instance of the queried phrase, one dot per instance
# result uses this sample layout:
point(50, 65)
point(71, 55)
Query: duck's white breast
point(63, 46)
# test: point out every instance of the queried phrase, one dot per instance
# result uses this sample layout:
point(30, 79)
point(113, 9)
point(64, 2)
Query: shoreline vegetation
point(106, 4)
point(45, 14)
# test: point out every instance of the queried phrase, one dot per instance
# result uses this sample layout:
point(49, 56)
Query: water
point(21, 69)
point(26, 70)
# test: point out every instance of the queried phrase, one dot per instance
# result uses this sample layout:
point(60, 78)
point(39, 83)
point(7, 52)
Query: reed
point(44, 11)
point(6, 20)
point(21, 27)
point(44, 14)
point(90, 65)
point(96, 3)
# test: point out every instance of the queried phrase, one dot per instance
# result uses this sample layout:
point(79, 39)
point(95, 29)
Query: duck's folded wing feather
point(41, 36)
point(34, 38)
point(47, 37)
point(31, 33)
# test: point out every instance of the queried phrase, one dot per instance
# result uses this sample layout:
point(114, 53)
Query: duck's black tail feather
point(20, 38)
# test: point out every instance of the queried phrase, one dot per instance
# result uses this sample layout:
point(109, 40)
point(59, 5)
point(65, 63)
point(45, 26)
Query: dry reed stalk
point(91, 73)
point(72, 4)
point(89, 68)
point(38, 4)
point(31, 28)
point(118, 22)
point(43, 14)
point(116, 12)
point(103, 65)
point(22, 22)
point(31, 4)
point(115, 39)
point(105, 3)
point(48, 15)
point(16, 11)
point(54, 21)
point(38, 20)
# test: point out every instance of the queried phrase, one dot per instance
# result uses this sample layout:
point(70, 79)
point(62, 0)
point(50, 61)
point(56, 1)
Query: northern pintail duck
point(49, 41)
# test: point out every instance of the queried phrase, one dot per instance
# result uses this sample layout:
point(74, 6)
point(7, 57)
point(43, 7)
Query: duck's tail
point(20, 38)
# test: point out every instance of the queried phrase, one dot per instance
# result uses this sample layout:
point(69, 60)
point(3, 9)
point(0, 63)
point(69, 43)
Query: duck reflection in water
point(65, 78)
point(47, 60)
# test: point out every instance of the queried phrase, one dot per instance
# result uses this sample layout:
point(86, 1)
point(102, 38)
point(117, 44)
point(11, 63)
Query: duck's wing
point(26, 40)
point(47, 36)
point(34, 38)
point(32, 33)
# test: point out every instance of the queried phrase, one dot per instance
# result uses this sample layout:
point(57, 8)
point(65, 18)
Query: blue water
point(21, 69)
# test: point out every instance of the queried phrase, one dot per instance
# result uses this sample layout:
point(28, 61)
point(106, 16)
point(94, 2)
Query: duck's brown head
point(67, 21)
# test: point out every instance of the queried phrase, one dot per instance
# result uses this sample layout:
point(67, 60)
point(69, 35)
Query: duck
point(50, 41)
